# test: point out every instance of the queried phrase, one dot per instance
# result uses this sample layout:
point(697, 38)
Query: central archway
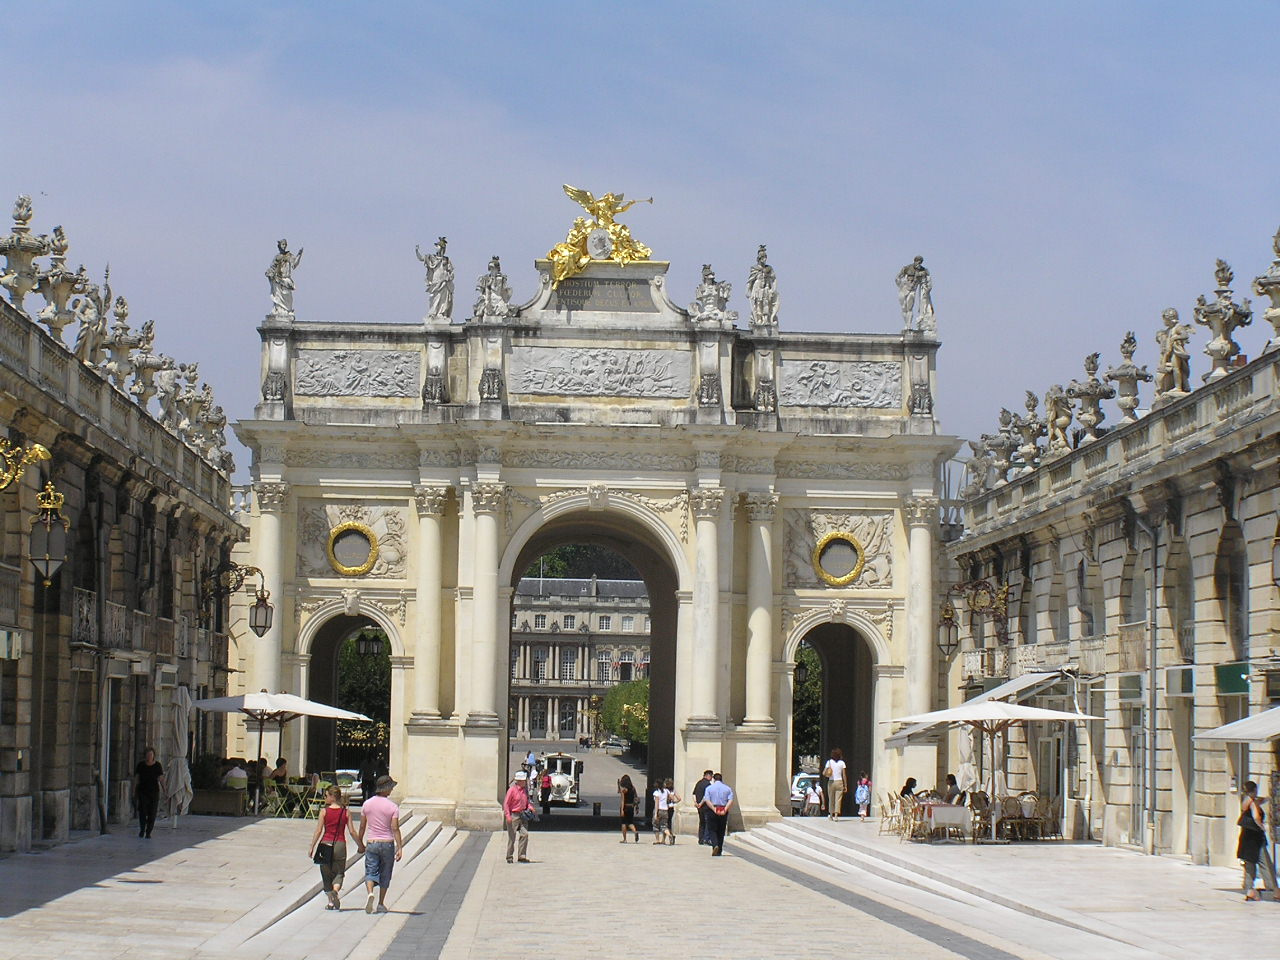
point(643, 547)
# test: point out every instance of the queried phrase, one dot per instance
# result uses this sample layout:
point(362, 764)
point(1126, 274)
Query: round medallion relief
point(353, 549)
point(838, 559)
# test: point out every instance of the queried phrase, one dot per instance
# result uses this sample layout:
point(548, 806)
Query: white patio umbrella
point(179, 778)
point(275, 708)
point(991, 717)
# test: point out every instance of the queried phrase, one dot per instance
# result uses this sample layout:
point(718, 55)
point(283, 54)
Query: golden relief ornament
point(352, 549)
point(839, 558)
point(600, 238)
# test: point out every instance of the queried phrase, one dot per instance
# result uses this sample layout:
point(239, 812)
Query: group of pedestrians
point(836, 774)
point(378, 838)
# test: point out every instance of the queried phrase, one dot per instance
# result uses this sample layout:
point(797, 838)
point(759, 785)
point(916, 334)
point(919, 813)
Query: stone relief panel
point(874, 531)
point(840, 383)
point(356, 373)
point(389, 524)
point(600, 372)
point(596, 460)
point(356, 459)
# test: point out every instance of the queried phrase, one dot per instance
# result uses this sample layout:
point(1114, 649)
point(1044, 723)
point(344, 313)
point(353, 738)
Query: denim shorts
point(379, 860)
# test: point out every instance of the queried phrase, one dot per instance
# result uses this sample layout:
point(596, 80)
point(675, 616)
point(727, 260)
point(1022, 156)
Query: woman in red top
point(330, 840)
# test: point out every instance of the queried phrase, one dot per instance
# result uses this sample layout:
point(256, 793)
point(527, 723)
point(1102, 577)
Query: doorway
point(351, 669)
point(837, 696)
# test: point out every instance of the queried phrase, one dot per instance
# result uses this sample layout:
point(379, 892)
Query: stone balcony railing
point(1085, 655)
point(124, 630)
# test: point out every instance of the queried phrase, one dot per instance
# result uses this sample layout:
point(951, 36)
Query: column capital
point(271, 495)
point(760, 507)
point(488, 497)
point(920, 511)
point(430, 499)
point(706, 502)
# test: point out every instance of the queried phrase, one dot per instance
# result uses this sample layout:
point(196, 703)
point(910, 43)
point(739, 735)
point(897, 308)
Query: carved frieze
point(371, 459)
point(873, 532)
point(849, 470)
point(597, 460)
point(840, 383)
point(599, 372)
point(356, 373)
point(388, 524)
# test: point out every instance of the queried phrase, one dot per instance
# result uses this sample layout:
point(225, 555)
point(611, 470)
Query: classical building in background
point(571, 640)
point(90, 664)
point(1140, 570)
point(768, 486)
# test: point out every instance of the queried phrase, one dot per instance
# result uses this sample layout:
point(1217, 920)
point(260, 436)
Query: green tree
point(806, 704)
point(581, 561)
point(625, 711)
point(364, 679)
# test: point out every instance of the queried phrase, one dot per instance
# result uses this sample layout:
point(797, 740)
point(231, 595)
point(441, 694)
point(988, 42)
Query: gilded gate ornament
point(601, 238)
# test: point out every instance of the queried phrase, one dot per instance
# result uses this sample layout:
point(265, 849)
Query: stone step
point(306, 887)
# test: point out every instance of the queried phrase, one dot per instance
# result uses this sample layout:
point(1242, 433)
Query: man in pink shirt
point(513, 806)
point(380, 832)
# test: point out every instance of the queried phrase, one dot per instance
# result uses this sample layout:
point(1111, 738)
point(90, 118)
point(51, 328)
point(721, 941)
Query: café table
point(944, 816)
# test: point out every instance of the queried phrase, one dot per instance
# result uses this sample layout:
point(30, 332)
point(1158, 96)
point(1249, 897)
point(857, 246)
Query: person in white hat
point(514, 805)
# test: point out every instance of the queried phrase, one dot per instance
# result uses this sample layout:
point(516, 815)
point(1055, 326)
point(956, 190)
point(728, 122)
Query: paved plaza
point(224, 887)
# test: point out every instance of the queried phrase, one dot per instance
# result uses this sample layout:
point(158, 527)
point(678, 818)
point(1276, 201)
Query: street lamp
point(948, 630)
point(48, 548)
point(368, 644)
point(802, 673)
point(228, 578)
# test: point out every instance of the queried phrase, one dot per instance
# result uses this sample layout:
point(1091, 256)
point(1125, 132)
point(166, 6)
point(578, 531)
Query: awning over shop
point(1259, 728)
point(1019, 688)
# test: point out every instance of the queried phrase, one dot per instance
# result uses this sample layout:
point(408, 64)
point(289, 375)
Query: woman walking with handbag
point(329, 845)
point(1252, 845)
point(627, 807)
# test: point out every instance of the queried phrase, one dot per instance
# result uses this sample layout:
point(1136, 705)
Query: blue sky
point(1066, 173)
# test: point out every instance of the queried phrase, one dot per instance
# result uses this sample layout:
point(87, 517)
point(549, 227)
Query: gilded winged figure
point(572, 256)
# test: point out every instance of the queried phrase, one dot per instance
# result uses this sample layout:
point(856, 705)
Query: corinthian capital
point(920, 511)
point(430, 500)
point(271, 495)
point(706, 502)
point(760, 507)
point(488, 497)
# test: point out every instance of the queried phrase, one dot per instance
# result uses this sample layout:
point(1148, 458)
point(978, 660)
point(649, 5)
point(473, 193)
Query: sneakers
point(382, 908)
point(368, 904)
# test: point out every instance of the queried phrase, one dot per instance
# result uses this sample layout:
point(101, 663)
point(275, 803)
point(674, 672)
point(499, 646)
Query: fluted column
point(268, 535)
point(487, 501)
point(921, 516)
point(761, 508)
point(707, 504)
point(430, 501)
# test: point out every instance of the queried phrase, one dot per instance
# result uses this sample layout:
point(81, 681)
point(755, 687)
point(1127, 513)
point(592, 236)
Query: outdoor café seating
point(1025, 816)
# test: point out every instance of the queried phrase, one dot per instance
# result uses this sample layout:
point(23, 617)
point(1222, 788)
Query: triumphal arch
point(771, 486)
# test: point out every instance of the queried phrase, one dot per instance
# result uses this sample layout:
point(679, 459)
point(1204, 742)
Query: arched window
point(1133, 586)
point(1180, 599)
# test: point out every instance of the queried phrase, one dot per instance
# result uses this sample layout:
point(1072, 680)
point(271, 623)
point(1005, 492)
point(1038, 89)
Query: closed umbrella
point(179, 778)
point(991, 717)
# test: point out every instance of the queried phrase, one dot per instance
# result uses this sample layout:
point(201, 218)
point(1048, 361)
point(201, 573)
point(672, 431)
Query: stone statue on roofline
point(494, 294)
point(280, 277)
point(1173, 371)
point(711, 299)
point(977, 470)
point(915, 297)
point(1030, 428)
point(1090, 392)
point(762, 291)
point(1001, 445)
point(1268, 285)
point(91, 310)
point(439, 281)
point(1057, 410)
point(1223, 317)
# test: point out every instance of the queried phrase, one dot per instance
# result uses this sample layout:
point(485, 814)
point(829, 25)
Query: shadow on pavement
point(31, 880)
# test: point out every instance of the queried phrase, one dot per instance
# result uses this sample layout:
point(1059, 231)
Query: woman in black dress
point(148, 778)
point(1252, 846)
point(627, 807)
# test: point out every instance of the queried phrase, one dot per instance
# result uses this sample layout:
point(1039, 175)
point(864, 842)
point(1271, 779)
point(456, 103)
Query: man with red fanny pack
point(717, 801)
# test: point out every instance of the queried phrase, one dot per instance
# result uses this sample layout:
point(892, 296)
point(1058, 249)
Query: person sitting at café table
point(237, 778)
point(953, 793)
point(908, 788)
point(281, 773)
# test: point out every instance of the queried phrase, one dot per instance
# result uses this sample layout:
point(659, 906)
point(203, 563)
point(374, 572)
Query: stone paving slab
point(120, 896)
point(1174, 907)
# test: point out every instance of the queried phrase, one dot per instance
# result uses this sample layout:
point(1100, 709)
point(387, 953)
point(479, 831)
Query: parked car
point(799, 786)
point(349, 781)
point(616, 743)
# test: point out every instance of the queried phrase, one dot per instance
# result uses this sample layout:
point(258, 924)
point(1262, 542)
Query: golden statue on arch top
point(601, 238)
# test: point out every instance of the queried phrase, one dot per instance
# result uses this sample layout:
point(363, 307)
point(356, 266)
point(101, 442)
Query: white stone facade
point(598, 412)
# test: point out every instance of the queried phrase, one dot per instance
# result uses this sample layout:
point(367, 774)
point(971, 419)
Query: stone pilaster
point(706, 503)
point(760, 509)
point(271, 497)
point(921, 517)
point(430, 501)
